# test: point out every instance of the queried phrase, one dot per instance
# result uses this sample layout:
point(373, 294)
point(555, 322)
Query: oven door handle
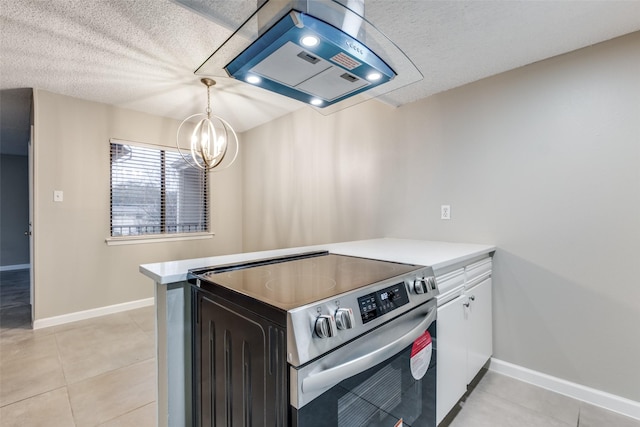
point(332, 376)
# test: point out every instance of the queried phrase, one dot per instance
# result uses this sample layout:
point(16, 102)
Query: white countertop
point(439, 255)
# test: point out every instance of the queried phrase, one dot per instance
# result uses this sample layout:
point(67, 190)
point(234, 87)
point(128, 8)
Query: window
point(154, 191)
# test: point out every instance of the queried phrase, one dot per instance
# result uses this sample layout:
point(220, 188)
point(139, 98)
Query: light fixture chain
point(208, 101)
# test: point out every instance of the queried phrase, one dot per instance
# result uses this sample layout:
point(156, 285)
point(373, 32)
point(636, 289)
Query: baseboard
point(89, 314)
point(15, 267)
point(609, 401)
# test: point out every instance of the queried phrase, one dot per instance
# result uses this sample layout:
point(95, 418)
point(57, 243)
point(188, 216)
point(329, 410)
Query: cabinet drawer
point(450, 280)
point(477, 272)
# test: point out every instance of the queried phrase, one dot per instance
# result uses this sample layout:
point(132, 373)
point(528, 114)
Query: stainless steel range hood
point(321, 52)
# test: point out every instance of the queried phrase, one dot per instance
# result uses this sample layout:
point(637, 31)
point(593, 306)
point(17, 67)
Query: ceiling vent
point(321, 52)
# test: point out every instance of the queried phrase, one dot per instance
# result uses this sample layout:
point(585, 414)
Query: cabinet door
point(451, 356)
point(479, 327)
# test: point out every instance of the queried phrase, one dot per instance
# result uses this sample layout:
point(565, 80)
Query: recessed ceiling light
point(310, 41)
point(374, 76)
point(316, 101)
point(253, 79)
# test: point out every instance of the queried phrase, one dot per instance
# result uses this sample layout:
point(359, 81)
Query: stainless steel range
point(315, 339)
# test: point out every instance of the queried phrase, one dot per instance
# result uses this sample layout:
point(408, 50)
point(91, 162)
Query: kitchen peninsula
point(458, 268)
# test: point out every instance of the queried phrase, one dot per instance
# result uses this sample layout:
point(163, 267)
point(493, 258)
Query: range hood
point(307, 59)
point(321, 52)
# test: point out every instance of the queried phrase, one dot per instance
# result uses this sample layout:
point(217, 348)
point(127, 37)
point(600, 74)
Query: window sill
point(158, 238)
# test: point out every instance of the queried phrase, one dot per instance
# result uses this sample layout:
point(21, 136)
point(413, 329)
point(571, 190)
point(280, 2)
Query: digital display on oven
point(382, 302)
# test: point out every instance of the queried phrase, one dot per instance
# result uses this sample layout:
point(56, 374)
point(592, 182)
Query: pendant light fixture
point(212, 140)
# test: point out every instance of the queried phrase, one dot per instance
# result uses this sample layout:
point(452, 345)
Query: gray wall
point(543, 162)
point(14, 210)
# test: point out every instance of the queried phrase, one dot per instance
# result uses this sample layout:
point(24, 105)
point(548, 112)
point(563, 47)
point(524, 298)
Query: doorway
point(16, 291)
point(15, 304)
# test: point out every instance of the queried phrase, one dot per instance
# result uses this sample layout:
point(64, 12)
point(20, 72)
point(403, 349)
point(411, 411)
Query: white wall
point(543, 161)
point(75, 270)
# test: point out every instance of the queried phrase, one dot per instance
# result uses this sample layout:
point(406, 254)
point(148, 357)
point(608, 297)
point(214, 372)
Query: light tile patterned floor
point(101, 372)
point(501, 401)
point(96, 372)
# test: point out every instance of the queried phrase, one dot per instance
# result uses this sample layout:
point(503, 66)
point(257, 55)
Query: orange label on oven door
point(421, 355)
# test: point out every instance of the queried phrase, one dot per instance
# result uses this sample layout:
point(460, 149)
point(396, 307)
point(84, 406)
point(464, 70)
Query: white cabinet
point(451, 376)
point(479, 328)
point(464, 335)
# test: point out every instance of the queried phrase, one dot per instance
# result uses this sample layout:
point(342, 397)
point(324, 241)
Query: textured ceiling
point(142, 54)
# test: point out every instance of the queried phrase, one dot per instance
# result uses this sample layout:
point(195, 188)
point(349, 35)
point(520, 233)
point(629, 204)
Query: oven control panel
point(324, 325)
point(379, 303)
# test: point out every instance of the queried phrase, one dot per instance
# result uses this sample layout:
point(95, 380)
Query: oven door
point(385, 378)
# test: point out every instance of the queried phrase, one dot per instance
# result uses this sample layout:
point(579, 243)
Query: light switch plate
point(58, 195)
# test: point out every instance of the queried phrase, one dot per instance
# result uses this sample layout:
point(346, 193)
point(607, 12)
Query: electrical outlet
point(445, 212)
point(58, 196)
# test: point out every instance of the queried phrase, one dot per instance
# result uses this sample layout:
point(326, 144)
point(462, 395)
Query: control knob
point(325, 326)
point(431, 283)
point(344, 318)
point(422, 285)
point(417, 286)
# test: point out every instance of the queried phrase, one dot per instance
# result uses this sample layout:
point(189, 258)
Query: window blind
point(154, 191)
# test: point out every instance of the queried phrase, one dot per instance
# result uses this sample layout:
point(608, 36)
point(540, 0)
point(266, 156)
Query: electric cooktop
point(291, 282)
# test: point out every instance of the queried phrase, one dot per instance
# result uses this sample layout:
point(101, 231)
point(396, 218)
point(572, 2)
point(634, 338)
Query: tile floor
point(96, 372)
point(101, 372)
point(496, 400)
